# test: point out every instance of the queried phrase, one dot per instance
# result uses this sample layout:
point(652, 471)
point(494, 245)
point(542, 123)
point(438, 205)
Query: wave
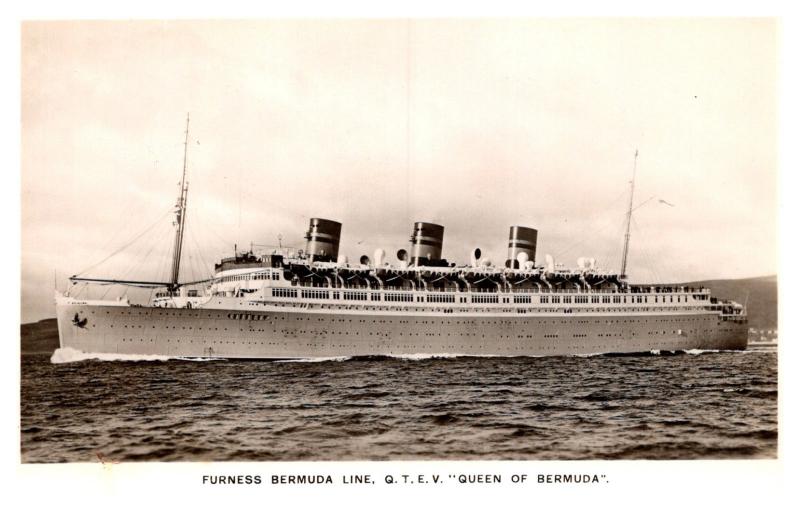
point(695, 352)
point(445, 355)
point(424, 356)
point(405, 357)
point(314, 360)
point(658, 352)
point(409, 357)
point(70, 355)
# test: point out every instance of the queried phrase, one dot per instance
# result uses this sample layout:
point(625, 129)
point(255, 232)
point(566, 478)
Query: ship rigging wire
point(646, 256)
point(128, 244)
point(590, 234)
point(142, 262)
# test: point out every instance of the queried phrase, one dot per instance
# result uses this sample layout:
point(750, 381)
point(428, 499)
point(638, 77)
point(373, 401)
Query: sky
point(476, 124)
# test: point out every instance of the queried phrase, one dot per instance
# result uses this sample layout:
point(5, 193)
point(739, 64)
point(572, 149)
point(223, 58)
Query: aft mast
point(180, 216)
point(622, 273)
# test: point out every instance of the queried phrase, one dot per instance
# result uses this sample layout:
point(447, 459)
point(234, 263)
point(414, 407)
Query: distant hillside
point(761, 295)
point(39, 337)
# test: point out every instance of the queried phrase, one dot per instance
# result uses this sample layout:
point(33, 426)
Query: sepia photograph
point(403, 239)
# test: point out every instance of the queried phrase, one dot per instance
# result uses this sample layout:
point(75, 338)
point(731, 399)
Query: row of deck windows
point(272, 275)
point(441, 298)
point(313, 294)
point(265, 317)
point(450, 298)
point(391, 296)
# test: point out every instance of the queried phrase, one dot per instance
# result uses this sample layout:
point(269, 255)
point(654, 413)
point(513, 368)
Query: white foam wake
point(70, 355)
point(313, 360)
point(695, 352)
point(588, 355)
point(658, 352)
point(421, 356)
point(410, 357)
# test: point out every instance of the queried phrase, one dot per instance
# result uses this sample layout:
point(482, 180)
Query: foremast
point(180, 215)
point(180, 223)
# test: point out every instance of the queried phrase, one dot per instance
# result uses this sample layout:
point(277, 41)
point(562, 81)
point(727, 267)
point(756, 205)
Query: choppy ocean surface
point(713, 405)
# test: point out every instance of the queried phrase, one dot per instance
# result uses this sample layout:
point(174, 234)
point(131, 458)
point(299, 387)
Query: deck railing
point(517, 290)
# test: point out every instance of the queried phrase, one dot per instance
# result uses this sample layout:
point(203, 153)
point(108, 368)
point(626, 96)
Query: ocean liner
point(313, 303)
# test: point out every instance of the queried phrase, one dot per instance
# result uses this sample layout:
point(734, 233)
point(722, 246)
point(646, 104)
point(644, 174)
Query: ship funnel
point(322, 240)
point(378, 257)
point(426, 244)
point(474, 257)
point(521, 240)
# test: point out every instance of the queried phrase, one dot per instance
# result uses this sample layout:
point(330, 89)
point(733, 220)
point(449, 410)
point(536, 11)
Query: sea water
point(699, 405)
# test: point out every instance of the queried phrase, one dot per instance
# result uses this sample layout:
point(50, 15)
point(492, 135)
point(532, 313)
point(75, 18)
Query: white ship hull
point(263, 331)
